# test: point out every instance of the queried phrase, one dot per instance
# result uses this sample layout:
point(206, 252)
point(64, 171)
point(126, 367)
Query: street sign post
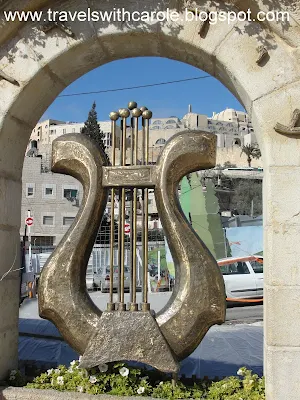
point(127, 229)
point(29, 221)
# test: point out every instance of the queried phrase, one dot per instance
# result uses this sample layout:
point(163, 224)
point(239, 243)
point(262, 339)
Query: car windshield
point(116, 270)
point(258, 265)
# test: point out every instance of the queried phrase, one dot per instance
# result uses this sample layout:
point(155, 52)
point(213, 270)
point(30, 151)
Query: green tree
point(92, 129)
point(247, 192)
point(251, 151)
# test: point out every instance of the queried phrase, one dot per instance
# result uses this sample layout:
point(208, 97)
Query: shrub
point(123, 380)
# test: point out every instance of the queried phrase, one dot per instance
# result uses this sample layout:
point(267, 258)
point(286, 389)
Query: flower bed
point(122, 380)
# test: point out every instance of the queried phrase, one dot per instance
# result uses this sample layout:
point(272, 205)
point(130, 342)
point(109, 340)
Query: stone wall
point(234, 156)
point(265, 77)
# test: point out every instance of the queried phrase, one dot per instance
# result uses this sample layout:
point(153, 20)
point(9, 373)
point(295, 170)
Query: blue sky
point(205, 95)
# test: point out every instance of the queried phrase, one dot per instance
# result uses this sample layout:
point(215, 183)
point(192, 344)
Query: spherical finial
point(147, 114)
point(143, 108)
point(114, 115)
point(136, 112)
point(124, 112)
point(132, 105)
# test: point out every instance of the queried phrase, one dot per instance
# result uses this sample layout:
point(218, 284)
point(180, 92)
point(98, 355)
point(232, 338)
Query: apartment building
point(46, 131)
point(52, 199)
point(232, 128)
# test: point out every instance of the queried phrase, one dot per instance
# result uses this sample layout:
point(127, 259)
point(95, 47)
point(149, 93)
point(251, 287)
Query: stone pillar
point(281, 197)
point(10, 191)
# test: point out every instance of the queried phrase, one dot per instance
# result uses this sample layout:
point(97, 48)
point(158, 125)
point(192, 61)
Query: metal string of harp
point(130, 158)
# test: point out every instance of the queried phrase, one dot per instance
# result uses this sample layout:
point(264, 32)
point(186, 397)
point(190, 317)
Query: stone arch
point(37, 66)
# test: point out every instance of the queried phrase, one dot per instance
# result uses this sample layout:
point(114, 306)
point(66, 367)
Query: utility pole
point(29, 244)
point(158, 264)
point(252, 208)
point(225, 241)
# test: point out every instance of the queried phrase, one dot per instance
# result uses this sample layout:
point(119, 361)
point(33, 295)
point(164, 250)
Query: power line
point(136, 87)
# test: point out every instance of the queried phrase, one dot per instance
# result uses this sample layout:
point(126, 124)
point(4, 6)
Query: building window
point(48, 220)
point(171, 121)
point(30, 189)
point(73, 130)
point(49, 191)
point(160, 141)
point(157, 122)
point(67, 221)
point(70, 192)
point(237, 142)
point(170, 127)
point(64, 131)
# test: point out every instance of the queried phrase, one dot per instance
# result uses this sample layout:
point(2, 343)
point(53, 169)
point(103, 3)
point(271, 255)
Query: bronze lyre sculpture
point(198, 299)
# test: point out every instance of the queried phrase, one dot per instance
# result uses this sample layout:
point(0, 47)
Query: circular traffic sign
point(29, 221)
point(127, 229)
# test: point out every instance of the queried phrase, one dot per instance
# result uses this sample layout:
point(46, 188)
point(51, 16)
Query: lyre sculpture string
point(198, 299)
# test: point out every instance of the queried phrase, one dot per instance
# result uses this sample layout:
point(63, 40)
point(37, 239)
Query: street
point(235, 315)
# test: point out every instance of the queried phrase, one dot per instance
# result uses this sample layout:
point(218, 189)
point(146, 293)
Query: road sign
point(29, 221)
point(127, 229)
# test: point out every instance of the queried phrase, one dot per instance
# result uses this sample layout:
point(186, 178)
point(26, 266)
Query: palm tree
point(251, 151)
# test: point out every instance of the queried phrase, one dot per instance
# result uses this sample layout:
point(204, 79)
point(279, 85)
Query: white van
point(243, 277)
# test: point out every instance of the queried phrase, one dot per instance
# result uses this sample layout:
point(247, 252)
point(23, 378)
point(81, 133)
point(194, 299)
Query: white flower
point(144, 378)
point(224, 386)
point(140, 390)
point(12, 377)
point(13, 372)
point(49, 371)
point(251, 381)
point(60, 380)
point(240, 372)
point(93, 379)
point(124, 371)
point(57, 371)
point(161, 383)
point(103, 367)
point(70, 370)
point(72, 363)
point(80, 389)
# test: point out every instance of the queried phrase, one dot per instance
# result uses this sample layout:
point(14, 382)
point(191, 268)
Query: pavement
point(234, 315)
point(224, 349)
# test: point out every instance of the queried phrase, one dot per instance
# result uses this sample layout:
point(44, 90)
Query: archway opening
point(190, 116)
point(55, 72)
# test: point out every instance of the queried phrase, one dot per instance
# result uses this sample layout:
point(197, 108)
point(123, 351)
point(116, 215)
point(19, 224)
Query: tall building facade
point(232, 128)
point(46, 131)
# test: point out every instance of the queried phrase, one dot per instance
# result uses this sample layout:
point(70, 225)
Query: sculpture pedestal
point(131, 336)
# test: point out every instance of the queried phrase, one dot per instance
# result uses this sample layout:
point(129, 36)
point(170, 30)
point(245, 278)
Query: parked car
point(102, 279)
point(243, 277)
